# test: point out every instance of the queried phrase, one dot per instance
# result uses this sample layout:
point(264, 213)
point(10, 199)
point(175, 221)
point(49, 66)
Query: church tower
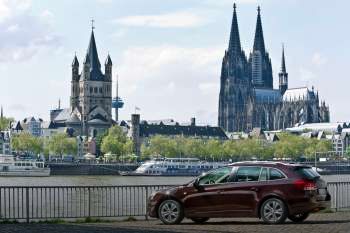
point(92, 91)
point(235, 88)
point(283, 75)
point(259, 60)
point(74, 99)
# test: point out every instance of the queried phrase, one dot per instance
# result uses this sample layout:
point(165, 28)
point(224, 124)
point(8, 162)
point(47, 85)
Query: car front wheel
point(170, 212)
point(299, 217)
point(273, 211)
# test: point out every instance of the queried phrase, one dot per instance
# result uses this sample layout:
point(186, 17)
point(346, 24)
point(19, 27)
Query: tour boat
point(174, 167)
point(11, 167)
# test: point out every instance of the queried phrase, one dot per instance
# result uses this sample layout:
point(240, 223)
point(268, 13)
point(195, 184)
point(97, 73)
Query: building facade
point(142, 131)
point(91, 95)
point(247, 98)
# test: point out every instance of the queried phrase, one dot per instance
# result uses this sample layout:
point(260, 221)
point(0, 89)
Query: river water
point(113, 180)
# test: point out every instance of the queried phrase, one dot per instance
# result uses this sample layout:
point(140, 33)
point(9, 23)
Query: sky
point(166, 53)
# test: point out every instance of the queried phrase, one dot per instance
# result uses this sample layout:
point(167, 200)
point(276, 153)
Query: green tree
point(99, 139)
point(27, 143)
point(5, 122)
point(60, 144)
point(163, 146)
point(214, 150)
point(324, 146)
point(114, 142)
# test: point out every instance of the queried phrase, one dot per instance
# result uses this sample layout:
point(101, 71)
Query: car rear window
point(307, 173)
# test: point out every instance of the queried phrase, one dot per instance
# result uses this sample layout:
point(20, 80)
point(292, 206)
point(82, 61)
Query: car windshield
point(307, 173)
point(216, 176)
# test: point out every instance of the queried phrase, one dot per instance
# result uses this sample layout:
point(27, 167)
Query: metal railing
point(340, 195)
point(65, 202)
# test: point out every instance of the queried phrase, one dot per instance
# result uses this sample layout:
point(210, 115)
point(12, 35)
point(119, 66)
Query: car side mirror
point(197, 185)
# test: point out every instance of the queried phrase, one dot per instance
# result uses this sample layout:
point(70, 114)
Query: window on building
point(95, 89)
point(91, 90)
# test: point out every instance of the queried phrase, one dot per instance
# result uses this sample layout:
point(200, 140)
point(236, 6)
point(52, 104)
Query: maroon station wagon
point(271, 191)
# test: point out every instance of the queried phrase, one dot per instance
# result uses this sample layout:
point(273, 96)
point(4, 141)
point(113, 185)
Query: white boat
point(11, 167)
point(174, 167)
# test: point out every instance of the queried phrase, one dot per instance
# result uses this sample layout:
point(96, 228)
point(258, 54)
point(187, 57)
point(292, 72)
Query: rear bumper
point(312, 205)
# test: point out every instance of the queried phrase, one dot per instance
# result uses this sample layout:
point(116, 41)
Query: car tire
point(199, 220)
point(170, 212)
point(273, 211)
point(298, 217)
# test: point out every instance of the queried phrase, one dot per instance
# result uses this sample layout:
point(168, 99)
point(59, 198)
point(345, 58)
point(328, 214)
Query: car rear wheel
point(299, 217)
point(170, 212)
point(273, 211)
point(199, 220)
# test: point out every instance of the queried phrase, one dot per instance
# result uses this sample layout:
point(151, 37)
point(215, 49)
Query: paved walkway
point(317, 223)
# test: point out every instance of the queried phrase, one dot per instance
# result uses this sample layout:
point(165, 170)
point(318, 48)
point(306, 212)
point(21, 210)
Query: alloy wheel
point(170, 212)
point(273, 211)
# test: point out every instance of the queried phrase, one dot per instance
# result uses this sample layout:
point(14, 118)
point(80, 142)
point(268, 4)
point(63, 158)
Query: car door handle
point(254, 189)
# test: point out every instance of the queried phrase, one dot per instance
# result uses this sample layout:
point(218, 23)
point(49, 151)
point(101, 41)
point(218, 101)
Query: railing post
point(27, 204)
point(89, 203)
point(146, 215)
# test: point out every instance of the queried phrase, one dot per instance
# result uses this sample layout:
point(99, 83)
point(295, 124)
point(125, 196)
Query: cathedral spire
point(283, 75)
point(283, 63)
point(259, 43)
point(235, 43)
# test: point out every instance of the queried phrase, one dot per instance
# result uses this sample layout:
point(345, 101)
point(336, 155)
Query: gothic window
point(101, 90)
point(91, 89)
point(95, 89)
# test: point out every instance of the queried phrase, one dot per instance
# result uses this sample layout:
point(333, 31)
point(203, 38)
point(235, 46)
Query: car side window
point(275, 174)
point(248, 174)
point(216, 176)
point(263, 174)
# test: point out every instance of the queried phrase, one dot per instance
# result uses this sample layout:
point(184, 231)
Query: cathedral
point(91, 96)
point(247, 98)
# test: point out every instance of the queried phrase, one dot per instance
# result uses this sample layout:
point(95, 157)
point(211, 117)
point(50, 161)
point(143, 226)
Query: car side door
point(241, 193)
point(207, 201)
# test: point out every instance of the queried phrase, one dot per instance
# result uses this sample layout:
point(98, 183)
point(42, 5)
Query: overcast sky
point(167, 53)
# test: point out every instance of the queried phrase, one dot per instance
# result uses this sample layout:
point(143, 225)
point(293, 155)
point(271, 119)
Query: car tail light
point(305, 185)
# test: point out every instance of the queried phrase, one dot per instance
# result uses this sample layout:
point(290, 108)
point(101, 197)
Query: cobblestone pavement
point(317, 223)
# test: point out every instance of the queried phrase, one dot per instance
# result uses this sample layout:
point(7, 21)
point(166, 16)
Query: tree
point(115, 142)
point(5, 122)
point(98, 140)
point(60, 144)
point(27, 144)
point(165, 147)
